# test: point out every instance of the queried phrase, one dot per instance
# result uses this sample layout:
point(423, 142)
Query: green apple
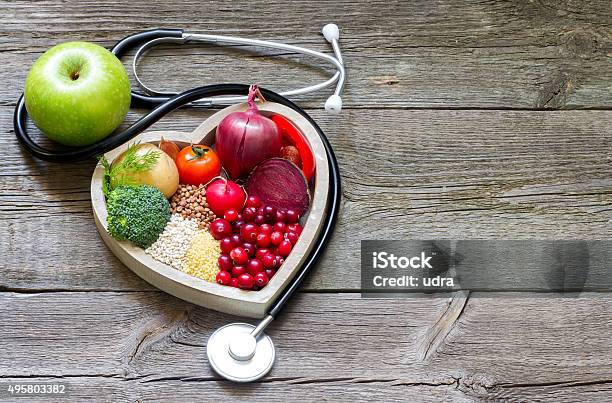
point(77, 93)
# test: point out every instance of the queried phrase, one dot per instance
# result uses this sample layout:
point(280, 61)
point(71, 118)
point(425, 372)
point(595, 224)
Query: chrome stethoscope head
point(330, 32)
point(241, 352)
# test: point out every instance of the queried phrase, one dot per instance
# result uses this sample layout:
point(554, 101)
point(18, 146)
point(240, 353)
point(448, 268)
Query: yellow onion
point(163, 175)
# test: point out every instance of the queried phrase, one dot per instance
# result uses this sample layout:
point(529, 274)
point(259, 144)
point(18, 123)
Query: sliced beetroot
point(280, 183)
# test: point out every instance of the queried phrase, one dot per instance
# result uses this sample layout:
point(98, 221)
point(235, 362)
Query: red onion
point(244, 139)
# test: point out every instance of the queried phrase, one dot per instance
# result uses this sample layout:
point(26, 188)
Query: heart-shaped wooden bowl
point(231, 300)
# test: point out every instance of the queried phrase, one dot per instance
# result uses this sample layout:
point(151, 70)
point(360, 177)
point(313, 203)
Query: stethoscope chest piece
point(235, 354)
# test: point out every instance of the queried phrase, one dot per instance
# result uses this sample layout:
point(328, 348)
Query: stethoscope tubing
point(113, 141)
point(150, 38)
point(334, 191)
point(339, 75)
point(140, 100)
point(164, 104)
point(333, 208)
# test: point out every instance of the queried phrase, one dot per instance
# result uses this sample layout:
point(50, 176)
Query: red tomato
point(197, 164)
point(296, 138)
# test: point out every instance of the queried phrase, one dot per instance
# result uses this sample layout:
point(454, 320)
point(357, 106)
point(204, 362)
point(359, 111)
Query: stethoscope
point(239, 352)
point(330, 31)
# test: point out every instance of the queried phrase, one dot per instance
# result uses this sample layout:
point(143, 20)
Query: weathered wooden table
point(462, 120)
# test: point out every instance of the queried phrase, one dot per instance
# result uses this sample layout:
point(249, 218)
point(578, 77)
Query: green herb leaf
point(106, 187)
point(116, 175)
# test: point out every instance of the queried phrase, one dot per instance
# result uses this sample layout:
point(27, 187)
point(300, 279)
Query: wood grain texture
point(442, 54)
point(145, 345)
point(446, 174)
point(455, 126)
point(275, 390)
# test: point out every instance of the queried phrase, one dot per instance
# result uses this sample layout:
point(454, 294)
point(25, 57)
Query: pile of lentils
point(189, 202)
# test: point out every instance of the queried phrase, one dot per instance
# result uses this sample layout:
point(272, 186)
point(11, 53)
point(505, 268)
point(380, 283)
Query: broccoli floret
point(137, 213)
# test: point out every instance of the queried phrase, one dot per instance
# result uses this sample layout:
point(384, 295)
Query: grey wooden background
point(463, 119)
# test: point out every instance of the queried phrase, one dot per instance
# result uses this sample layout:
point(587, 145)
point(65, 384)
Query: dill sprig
point(121, 173)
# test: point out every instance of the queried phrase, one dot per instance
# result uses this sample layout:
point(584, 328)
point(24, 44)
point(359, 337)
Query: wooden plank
point(420, 54)
point(308, 390)
point(526, 175)
point(150, 334)
point(146, 344)
point(274, 390)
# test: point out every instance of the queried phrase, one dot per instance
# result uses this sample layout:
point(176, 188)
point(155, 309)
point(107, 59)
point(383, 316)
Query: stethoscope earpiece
point(334, 104)
point(331, 32)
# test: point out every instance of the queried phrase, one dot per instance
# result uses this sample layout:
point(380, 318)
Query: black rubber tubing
point(140, 100)
point(333, 207)
point(170, 104)
point(131, 41)
point(115, 140)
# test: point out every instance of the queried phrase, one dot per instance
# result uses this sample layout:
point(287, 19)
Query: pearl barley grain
point(174, 241)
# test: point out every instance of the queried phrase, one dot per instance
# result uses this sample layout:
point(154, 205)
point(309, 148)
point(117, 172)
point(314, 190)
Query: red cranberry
point(246, 281)
point(269, 261)
point(280, 226)
point(250, 248)
point(284, 248)
point(259, 219)
point(226, 245)
point(281, 216)
point(238, 270)
point(236, 239)
point(249, 214)
point(297, 228)
point(231, 215)
point(260, 210)
point(254, 266)
point(266, 228)
point(225, 262)
point(280, 260)
point(220, 228)
point(234, 282)
point(276, 238)
point(249, 232)
point(237, 225)
point(269, 213)
point(292, 216)
point(253, 201)
point(263, 239)
point(261, 279)
point(270, 272)
point(239, 255)
point(261, 252)
point(292, 237)
point(223, 277)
